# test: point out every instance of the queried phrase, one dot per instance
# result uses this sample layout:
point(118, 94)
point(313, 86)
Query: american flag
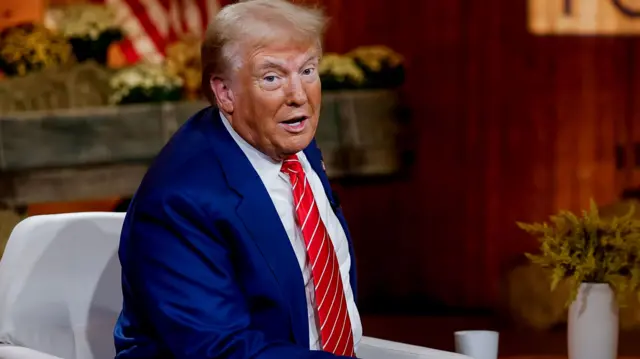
point(150, 25)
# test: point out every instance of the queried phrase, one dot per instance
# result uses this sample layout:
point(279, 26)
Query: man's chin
point(296, 145)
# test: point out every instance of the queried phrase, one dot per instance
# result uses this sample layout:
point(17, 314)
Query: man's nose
point(296, 94)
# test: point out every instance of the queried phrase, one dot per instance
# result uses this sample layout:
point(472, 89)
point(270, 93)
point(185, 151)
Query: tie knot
point(291, 165)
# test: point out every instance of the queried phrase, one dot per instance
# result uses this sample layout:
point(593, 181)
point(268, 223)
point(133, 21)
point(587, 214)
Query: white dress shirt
point(280, 190)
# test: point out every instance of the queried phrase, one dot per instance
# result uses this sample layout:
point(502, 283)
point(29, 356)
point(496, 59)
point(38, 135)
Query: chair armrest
point(372, 348)
point(14, 352)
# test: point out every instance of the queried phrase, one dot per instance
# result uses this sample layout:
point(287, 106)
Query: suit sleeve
point(181, 274)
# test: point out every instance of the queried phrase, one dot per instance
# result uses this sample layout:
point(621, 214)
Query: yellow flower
point(373, 57)
point(183, 60)
point(341, 68)
point(31, 47)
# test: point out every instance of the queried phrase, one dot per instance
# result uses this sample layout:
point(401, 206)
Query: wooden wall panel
point(509, 126)
point(630, 133)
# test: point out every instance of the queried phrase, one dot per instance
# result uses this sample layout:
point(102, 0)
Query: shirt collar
point(267, 168)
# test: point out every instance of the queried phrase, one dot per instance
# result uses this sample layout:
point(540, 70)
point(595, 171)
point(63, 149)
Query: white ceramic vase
point(593, 323)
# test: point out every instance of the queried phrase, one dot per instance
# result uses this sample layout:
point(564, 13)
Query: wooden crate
point(103, 152)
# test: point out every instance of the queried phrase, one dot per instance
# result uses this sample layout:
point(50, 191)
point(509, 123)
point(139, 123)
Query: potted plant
point(90, 28)
point(26, 48)
point(144, 83)
point(340, 72)
point(601, 260)
point(382, 67)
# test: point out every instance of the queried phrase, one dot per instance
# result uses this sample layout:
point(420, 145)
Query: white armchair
point(60, 292)
point(60, 286)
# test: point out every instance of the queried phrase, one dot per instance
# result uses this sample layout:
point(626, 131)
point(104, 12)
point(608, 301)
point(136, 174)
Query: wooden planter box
point(87, 153)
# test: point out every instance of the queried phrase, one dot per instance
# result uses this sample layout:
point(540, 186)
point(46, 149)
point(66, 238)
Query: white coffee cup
point(478, 344)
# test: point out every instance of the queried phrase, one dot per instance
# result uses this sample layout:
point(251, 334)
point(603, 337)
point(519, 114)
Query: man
point(233, 246)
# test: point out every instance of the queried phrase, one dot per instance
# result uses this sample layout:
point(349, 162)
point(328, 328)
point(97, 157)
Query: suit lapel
point(257, 212)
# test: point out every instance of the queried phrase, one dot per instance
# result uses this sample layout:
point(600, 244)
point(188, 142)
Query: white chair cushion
point(12, 352)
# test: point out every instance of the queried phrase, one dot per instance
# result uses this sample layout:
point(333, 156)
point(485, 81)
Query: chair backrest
point(60, 284)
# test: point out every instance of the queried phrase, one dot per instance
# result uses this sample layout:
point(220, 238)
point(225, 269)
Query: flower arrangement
point(365, 67)
point(144, 83)
point(29, 47)
point(589, 249)
point(339, 72)
point(183, 60)
point(383, 67)
point(90, 28)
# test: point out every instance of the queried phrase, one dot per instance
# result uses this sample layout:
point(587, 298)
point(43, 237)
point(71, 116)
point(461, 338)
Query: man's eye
point(270, 78)
point(308, 71)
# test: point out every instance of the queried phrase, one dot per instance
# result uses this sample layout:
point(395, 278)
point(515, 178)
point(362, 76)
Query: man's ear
point(223, 93)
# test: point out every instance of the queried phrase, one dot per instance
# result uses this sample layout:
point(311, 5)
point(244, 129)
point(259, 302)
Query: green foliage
point(590, 249)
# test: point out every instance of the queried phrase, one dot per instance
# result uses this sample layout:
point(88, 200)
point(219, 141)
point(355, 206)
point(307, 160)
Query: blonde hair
point(254, 23)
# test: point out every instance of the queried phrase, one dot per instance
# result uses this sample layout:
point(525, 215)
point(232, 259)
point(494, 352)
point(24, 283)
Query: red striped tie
point(335, 325)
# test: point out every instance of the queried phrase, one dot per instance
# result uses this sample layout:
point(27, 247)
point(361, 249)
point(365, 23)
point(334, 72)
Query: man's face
point(276, 96)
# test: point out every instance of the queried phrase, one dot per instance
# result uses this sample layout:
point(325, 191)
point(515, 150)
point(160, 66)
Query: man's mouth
point(295, 120)
point(295, 124)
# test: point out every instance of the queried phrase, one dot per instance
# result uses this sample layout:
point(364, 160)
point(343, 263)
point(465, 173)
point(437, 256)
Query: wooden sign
point(584, 17)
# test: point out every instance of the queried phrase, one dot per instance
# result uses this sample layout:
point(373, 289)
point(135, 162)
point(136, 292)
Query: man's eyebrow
point(272, 64)
point(314, 58)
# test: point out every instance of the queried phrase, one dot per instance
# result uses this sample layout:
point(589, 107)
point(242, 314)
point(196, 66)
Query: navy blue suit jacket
point(207, 267)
